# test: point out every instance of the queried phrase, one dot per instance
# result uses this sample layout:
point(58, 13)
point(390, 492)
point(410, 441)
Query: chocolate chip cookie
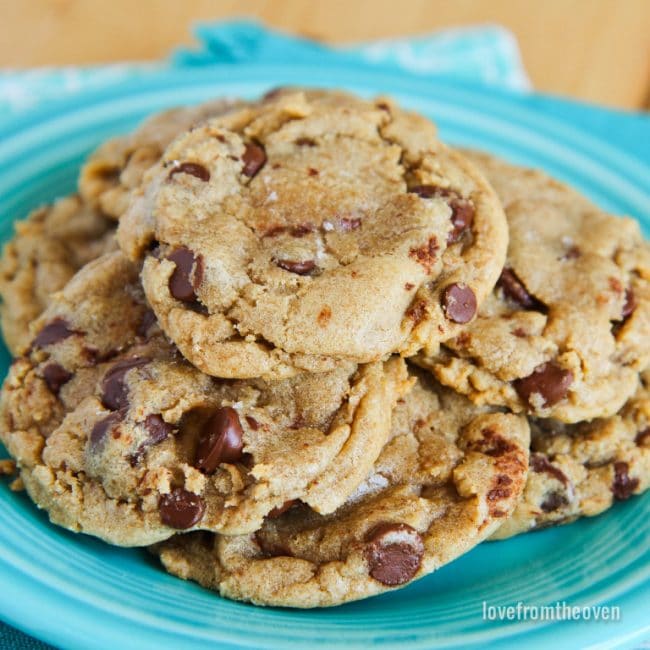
point(450, 474)
point(309, 230)
point(116, 168)
point(47, 249)
point(581, 470)
point(116, 435)
point(565, 332)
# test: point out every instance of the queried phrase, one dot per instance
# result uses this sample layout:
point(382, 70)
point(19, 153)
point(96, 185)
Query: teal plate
point(77, 592)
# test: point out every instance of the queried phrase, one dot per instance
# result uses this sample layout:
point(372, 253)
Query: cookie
point(449, 476)
point(581, 470)
point(116, 167)
point(565, 332)
point(309, 230)
point(48, 247)
point(117, 436)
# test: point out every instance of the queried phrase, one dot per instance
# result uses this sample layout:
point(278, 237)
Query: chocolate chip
point(500, 489)
point(148, 319)
point(630, 303)
point(181, 509)
point(53, 332)
point(514, 289)
point(280, 510)
point(304, 267)
point(303, 229)
point(252, 423)
point(459, 303)
point(221, 440)
point(254, 159)
point(102, 427)
point(306, 142)
point(394, 553)
point(426, 254)
point(623, 486)
point(554, 501)
point(312, 172)
point(540, 463)
point(55, 377)
point(157, 428)
point(642, 437)
point(181, 283)
point(426, 191)
point(114, 392)
point(549, 380)
point(462, 209)
point(194, 169)
point(492, 444)
point(572, 253)
point(158, 431)
point(462, 218)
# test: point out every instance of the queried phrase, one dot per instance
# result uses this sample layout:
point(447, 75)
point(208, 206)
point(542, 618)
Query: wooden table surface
point(597, 50)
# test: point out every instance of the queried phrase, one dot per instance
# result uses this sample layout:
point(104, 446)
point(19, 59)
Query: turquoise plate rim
point(101, 597)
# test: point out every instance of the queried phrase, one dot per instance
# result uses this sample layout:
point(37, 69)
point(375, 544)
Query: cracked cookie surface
point(565, 332)
point(450, 474)
point(309, 230)
point(115, 169)
point(48, 247)
point(116, 435)
point(581, 470)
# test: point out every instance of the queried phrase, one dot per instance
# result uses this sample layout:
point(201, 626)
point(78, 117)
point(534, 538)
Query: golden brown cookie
point(448, 478)
point(45, 252)
point(565, 332)
point(116, 435)
point(309, 230)
point(115, 168)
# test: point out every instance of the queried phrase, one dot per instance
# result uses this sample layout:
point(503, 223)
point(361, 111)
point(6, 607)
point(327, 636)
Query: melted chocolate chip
point(459, 303)
point(462, 218)
point(280, 510)
point(252, 423)
point(193, 169)
point(220, 441)
point(102, 428)
point(114, 391)
point(181, 509)
point(623, 486)
point(56, 376)
point(157, 428)
point(158, 431)
point(549, 380)
point(393, 553)
point(540, 463)
point(182, 285)
point(54, 332)
point(554, 501)
point(303, 267)
point(630, 303)
point(514, 289)
point(254, 159)
point(492, 444)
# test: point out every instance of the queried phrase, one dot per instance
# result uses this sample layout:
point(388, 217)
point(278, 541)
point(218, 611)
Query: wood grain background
point(597, 50)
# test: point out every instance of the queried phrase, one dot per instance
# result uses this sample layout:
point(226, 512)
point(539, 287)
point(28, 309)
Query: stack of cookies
point(307, 353)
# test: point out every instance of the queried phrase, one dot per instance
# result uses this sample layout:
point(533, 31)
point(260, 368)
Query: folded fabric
point(487, 55)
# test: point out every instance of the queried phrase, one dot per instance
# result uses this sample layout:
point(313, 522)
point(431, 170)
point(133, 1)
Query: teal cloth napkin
point(487, 55)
